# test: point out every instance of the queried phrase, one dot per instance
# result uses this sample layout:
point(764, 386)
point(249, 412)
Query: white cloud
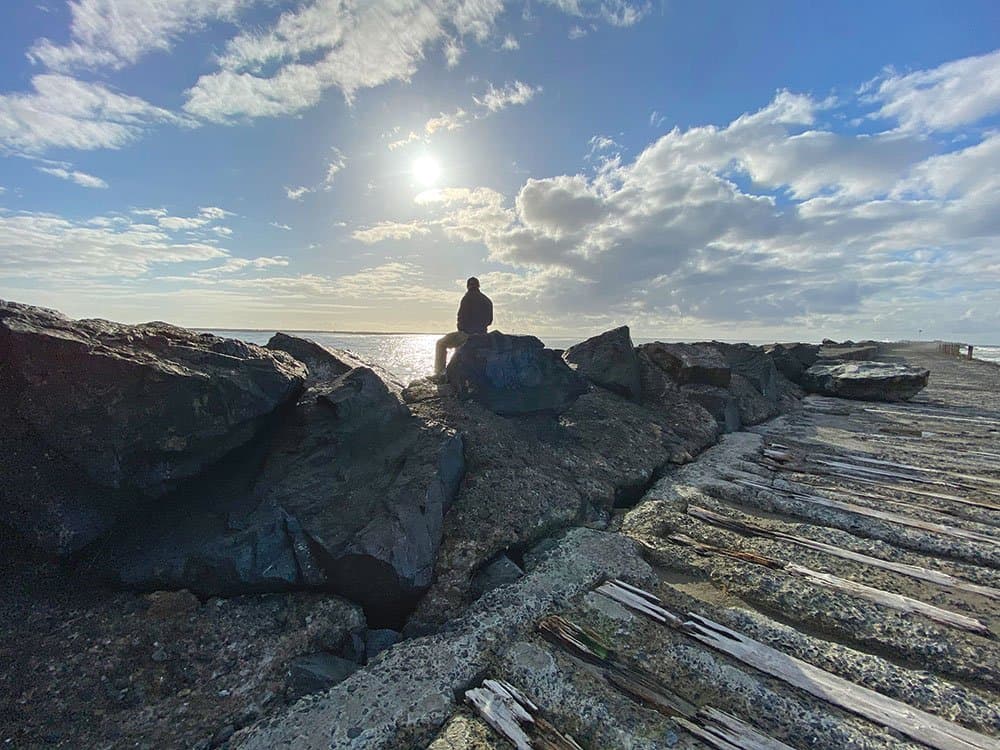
point(453, 51)
point(46, 246)
point(509, 94)
point(62, 112)
point(869, 229)
point(949, 96)
point(116, 33)
point(80, 178)
point(236, 265)
point(400, 142)
point(576, 32)
point(297, 193)
point(510, 44)
point(330, 44)
point(613, 12)
point(452, 121)
point(336, 164)
point(388, 230)
point(278, 225)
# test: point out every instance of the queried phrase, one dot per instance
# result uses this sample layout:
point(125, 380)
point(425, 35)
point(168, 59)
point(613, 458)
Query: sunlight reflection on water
point(407, 356)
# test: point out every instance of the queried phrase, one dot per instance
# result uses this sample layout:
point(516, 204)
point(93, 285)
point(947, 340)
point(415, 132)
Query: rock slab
point(700, 364)
point(866, 381)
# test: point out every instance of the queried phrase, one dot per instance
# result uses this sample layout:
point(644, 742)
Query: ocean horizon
point(408, 356)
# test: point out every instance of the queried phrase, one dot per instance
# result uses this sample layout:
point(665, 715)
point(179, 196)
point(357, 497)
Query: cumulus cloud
point(63, 112)
point(510, 44)
point(773, 218)
point(80, 178)
point(953, 94)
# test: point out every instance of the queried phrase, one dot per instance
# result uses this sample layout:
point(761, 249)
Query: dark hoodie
point(475, 313)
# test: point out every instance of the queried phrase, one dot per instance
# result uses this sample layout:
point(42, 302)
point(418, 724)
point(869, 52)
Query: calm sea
point(410, 356)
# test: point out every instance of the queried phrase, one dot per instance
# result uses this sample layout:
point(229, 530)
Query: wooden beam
point(921, 726)
point(898, 602)
point(913, 571)
point(516, 717)
point(882, 515)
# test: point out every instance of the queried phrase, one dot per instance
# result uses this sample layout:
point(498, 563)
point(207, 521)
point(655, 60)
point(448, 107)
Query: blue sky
point(729, 170)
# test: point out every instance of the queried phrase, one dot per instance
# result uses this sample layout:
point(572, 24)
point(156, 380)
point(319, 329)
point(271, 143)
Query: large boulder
point(866, 381)
point(513, 374)
point(700, 364)
point(129, 411)
point(349, 495)
point(792, 360)
point(323, 362)
point(609, 360)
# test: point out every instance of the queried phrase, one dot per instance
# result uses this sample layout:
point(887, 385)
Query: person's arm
point(489, 312)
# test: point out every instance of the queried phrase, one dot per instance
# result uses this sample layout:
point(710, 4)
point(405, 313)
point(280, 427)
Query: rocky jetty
point(339, 561)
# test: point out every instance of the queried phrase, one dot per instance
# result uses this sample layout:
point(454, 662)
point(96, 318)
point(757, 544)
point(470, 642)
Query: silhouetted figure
point(475, 315)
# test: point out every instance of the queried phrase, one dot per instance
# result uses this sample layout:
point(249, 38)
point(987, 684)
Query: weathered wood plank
point(898, 602)
point(724, 731)
point(515, 716)
point(913, 571)
point(921, 726)
point(882, 515)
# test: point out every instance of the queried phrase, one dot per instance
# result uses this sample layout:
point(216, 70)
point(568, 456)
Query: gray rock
point(379, 640)
point(349, 495)
point(513, 375)
point(315, 673)
point(426, 389)
point(609, 360)
point(866, 381)
point(700, 364)
point(792, 360)
point(498, 572)
point(130, 411)
point(324, 363)
point(402, 699)
point(721, 403)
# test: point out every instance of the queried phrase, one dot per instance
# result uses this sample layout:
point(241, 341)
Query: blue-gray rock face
point(124, 412)
point(513, 375)
point(690, 364)
point(609, 360)
point(866, 381)
point(349, 495)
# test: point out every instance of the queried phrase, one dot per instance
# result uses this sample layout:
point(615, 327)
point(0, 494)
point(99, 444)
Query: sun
point(426, 170)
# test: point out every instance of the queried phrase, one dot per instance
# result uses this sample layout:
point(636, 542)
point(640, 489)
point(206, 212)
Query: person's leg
point(451, 341)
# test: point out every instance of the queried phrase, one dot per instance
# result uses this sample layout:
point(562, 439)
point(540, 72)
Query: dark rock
point(866, 381)
point(353, 647)
point(700, 364)
point(377, 641)
point(494, 574)
point(753, 406)
point(223, 735)
point(753, 364)
point(131, 411)
point(426, 389)
point(315, 673)
point(513, 375)
point(848, 353)
point(324, 363)
point(609, 360)
point(350, 496)
point(792, 360)
point(721, 403)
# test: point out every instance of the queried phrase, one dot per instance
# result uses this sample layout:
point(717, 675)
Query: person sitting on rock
point(475, 315)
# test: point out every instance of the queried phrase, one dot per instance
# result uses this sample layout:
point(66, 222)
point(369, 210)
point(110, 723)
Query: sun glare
point(426, 170)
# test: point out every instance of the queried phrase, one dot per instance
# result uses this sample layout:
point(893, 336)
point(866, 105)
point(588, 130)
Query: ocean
point(989, 353)
point(409, 356)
